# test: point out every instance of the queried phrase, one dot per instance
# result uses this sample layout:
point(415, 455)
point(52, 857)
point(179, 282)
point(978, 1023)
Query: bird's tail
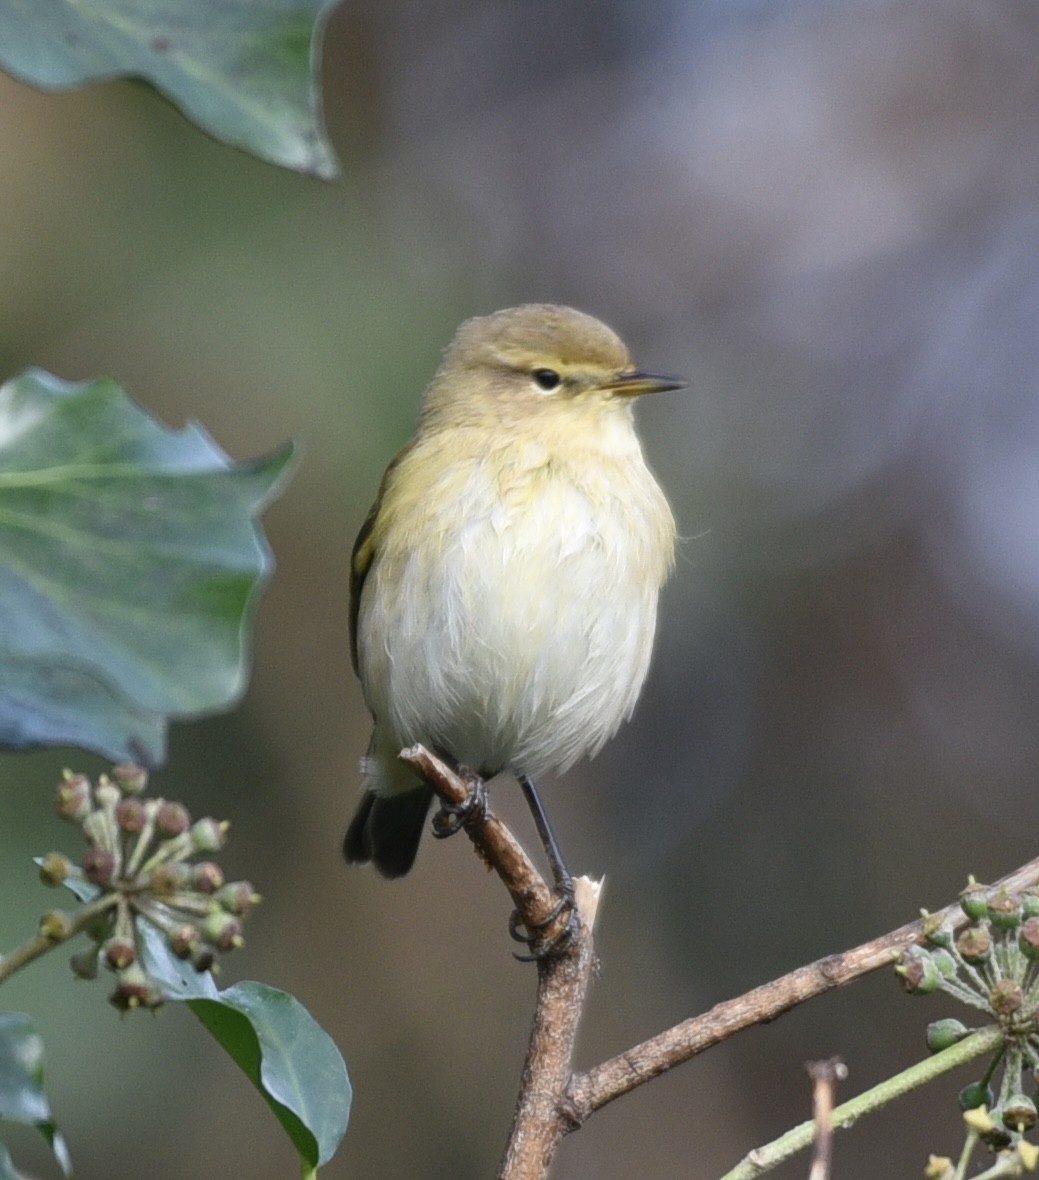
point(386, 830)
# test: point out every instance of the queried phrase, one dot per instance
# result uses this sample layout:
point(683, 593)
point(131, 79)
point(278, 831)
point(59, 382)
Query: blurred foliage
point(243, 72)
point(22, 1096)
point(131, 563)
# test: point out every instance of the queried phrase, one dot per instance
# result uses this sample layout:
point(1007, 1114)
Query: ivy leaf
point(130, 563)
point(247, 72)
point(289, 1058)
point(22, 1097)
point(45, 704)
point(272, 1038)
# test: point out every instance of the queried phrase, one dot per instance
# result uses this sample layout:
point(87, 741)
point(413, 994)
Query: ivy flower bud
point(119, 953)
point(920, 974)
point(209, 836)
point(222, 930)
point(974, 901)
point(975, 944)
point(1006, 997)
point(943, 1034)
point(1019, 1113)
point(130, 778)
point(130, 815)
point(55, 868)
point(207, 877)
point(73, 801)
point(173, 819)
point(1004, 911)
point(98, 866)
point(1028, 938)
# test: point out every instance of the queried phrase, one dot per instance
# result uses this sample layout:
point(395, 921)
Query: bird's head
point(536, 362)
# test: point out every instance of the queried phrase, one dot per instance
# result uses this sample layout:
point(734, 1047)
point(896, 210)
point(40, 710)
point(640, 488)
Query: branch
point(594, 1089)
point(540, 1121)
point(771, 1155)
point(495, 844)
point(55, 928)
point(825, 1075)
point(553, 1100)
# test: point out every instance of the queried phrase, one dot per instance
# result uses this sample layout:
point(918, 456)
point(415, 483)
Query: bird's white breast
point(515, 630)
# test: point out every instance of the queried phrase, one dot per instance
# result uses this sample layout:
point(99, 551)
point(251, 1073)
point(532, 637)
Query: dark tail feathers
point(387, 829)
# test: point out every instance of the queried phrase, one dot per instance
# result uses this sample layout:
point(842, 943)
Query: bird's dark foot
point(453, 817)
point(550, 935)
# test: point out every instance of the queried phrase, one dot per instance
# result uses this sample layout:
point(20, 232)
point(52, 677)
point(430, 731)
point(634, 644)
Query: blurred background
point(825, 215)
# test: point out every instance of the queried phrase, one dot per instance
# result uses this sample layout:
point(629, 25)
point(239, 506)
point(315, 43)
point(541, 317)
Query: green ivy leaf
point(272, 1038)
point(247, 72)
point(130, 562)
point(22, 1097)
point(289, 1058)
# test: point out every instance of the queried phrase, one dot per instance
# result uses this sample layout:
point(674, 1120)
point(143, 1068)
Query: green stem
point(764, 1159)
point(1007, 1164)
point(42, 943)
point(965, 1156)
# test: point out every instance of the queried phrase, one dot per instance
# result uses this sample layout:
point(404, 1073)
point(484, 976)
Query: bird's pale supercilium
point(504, 585)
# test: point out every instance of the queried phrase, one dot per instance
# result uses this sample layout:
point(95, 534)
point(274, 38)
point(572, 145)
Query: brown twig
point(594, 1089)
point(553, 1100)
point(540, 1121)
point(825, 1075)
point(494, 842)
point(763, 1159)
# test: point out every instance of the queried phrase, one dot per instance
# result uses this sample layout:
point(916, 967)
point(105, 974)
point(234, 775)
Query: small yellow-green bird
point(503, 591)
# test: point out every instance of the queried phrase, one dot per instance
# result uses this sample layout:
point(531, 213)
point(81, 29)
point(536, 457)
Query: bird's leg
point(532, 933)
point(564, 882)
point(453, 817)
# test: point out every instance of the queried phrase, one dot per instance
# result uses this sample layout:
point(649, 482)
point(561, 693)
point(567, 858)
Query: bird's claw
point(550, 935)
point(453, 817)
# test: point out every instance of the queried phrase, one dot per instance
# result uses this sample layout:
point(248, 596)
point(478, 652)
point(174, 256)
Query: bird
point(504, 585)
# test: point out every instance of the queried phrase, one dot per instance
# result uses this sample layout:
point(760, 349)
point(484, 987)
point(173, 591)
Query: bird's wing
point(360, 564)
point(364, 550)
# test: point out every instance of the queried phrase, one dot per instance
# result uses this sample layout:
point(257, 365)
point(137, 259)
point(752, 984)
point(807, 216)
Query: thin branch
point(55, 928)
point(764, 1159)
point(495, 844)
point(825, 1075)
point(595, 1088)
point(540, 1121)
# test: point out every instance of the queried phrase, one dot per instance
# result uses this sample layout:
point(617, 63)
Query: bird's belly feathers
point(522, 639)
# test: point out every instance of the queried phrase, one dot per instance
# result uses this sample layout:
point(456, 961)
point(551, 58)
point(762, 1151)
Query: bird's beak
point(635, 383)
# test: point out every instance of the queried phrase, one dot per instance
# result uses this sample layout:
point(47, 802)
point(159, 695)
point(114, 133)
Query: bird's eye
point(547, 379)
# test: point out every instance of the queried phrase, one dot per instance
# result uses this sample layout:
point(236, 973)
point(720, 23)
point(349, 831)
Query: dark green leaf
point(245, 70)
point(22, 1097)
point(290, 1059)
point(281, 1049)
point(129, 565)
